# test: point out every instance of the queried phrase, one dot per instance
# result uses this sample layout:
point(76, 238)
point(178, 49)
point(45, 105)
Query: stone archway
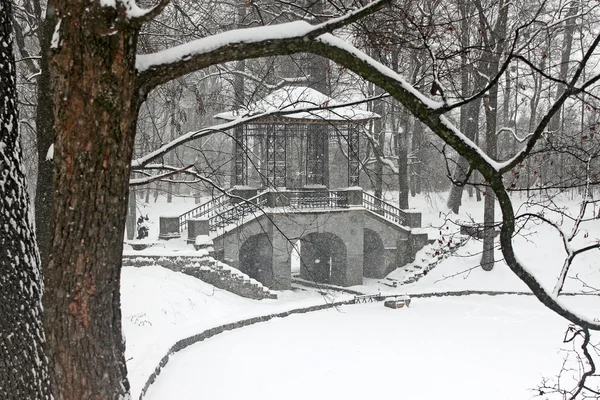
point(323, 259)
point(373, 251)
point(256, 259)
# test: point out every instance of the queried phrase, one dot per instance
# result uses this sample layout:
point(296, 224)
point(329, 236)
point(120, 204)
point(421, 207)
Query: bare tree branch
point(234, 45)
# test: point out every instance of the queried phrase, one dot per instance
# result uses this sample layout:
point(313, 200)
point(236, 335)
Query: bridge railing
point(225, 209)
point(224, 216)
point(385, 209)
point(317, 198)
point(204, 209)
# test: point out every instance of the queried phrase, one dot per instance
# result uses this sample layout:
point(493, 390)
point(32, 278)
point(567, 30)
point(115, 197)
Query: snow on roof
point(291, 98)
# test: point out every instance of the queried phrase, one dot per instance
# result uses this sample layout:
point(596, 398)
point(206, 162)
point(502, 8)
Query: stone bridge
point(337, 237)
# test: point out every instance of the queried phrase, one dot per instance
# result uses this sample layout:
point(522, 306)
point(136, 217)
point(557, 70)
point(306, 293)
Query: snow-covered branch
point(238, 44)
point(513, 134)
point(152, 178)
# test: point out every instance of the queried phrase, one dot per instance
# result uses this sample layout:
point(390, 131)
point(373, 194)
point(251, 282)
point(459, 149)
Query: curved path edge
point(207, 334)
point(186, 342)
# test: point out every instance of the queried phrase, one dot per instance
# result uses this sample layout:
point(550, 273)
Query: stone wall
point(208, 270)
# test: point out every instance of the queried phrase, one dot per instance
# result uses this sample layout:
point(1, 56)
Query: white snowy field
point(475, 347)
point(160, 307)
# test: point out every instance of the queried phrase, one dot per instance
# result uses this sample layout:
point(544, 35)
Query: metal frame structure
point(287, 152)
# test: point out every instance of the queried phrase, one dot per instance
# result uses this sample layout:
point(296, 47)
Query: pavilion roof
point(291, 98)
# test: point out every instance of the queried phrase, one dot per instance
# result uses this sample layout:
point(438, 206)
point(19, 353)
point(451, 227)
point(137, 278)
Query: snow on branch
point(237, 44)
point(425, 109)
point(149, 178)
point(513, 134)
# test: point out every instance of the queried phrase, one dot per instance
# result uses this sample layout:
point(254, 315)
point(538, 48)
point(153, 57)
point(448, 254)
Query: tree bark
point(403, 184)
point(491, 117)
point(23, 364)
point(416, 166)
point(44, 122)
point(378, 146)
point(95, 111)
point(471, 111)
point(469, 115)
point(131, 221)
point(556, 166)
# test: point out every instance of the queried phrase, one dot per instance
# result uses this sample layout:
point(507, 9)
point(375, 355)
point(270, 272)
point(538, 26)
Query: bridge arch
point(373, 254)
point(323, 258)
point(256, 258)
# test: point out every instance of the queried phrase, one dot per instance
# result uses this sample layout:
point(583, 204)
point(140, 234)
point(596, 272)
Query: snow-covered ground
point(475, 347)
point(449, 348)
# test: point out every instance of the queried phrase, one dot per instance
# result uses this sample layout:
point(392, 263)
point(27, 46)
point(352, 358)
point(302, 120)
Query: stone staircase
point(427, 259)
point(208, 270)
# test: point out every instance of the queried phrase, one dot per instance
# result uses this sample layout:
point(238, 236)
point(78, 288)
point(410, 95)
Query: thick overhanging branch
point(425, 111)
point(415, 102)
point(155, 69)
point(506, 233)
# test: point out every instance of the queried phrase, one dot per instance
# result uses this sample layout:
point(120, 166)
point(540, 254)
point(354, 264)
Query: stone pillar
point(354, 262)
point(355, 196)
point(353, 237)
point(404, 253)
point(239, 151)
point(197, 227)
point(169, 228)
point(282, 263)
point(413, 218)
point(278, 198)
point(245, 192)
point(353, 155)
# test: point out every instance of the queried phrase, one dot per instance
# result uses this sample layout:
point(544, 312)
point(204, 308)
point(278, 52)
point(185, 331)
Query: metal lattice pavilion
point(300, 138)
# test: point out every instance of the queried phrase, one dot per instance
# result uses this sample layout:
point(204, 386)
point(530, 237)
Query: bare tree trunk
point(23, 364)
point(45, 138)
point(491, 117)
point(417, 161)
point(378, 146)
point(554, 127)
point(402, 127)
point(96, 106)
point(131, 215)
point(477, 178)
point(471, 111)
point(171, 136)
point(469, 115)
point(491, 113)
point(403, 189)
